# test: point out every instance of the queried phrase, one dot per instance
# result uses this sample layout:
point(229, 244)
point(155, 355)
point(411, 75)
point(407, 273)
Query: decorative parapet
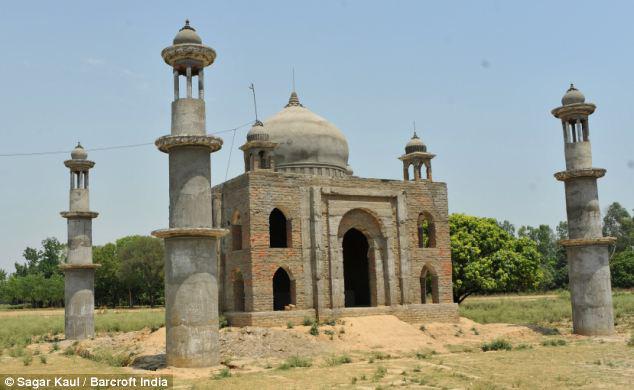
point(187, 52)
point(575, 173)
point(79, 214)
point(79, 165)
point(167, 142)
point(190, 232)
point(603, 241)
point(68, 266)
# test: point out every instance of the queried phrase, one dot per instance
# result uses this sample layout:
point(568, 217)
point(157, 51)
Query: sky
point(479, 78)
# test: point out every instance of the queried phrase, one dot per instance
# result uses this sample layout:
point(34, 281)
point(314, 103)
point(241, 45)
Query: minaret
point(416, 155)
point(586, 248)
point(79, 271)
point(191, 259)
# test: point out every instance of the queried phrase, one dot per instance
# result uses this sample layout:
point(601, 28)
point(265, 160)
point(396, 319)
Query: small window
point(426, 231)
point(279, 230)
point(236, 232)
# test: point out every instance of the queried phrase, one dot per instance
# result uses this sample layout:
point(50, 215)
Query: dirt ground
point(383, 351)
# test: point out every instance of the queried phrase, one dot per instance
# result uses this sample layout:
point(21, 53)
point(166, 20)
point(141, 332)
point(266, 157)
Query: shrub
point(289, 325)
point(553, 342)
point(69, 351)
point(330, 322)
point(330, 333)
point(222, 322)
point(307, 321)
point(17, 351)
point(422, 328)
point(27, 359)
point(497, 345)
point(314, 329)
point(424, 354)
point(379, 373)
point(523, 346)
point(631, 341)
point(338, 360)
point(294, 362)
point(224, 373)
point(43, 359)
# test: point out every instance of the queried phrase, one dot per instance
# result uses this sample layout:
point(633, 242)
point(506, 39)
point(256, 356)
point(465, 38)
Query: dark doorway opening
point(281, 290)
point(356, 269)
point(278, 230)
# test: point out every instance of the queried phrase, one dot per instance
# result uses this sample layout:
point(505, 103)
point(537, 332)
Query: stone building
point(310, 239)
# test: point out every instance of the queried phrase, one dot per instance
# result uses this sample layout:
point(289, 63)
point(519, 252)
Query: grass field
point(552, 361)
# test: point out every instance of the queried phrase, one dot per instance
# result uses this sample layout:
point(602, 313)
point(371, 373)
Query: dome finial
point(572, 96)
point(187, 26)
point(293, 101)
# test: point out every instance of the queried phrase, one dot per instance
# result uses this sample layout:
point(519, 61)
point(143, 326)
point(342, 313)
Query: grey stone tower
point(416, 155)
point(191, 287)
point(586, 248)
point(79, 271)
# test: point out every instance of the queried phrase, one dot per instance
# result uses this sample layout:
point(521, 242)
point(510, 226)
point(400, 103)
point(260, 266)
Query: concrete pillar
point(586, 248)
point(191, 241)
point(79, 271)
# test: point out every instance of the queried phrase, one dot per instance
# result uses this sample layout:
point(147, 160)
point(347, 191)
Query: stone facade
point(319, 211)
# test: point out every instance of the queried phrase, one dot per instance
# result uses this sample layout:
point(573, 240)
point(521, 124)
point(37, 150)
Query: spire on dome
point(293, 101)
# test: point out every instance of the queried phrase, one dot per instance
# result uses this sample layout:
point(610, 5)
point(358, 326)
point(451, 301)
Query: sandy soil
point(254, 349)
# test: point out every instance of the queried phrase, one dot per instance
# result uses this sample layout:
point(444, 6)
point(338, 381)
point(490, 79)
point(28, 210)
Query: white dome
point(307, 143)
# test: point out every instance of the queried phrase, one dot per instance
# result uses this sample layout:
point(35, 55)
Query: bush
point(497, 345)
point(27, 359)
point(329, 321)
point(314, 329)
point(43, 359)
point(294, 362)
point(222, 322)
point(289, 325)
point(338, 360)
point(424, 353)
point(224, 373)
point(553, 342)
point(307, 321)
point(622, 269)
point(379, 373)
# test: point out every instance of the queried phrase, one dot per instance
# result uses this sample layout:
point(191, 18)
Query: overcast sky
point(479, 78)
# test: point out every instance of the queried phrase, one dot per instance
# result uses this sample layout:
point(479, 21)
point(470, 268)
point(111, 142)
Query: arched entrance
point(282, 290)
point(356, 270)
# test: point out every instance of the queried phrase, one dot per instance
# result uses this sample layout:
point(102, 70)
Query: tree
point(546, 241)
point(622, 269)
point(560, 276)
point(108, 286)
point(618, 223)
point(486, 258)
point(507, 226)
point(142, 268)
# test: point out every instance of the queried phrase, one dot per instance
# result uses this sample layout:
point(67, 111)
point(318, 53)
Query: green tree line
point(488, 256)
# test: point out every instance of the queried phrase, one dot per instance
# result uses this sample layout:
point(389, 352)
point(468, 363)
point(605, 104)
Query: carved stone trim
point(571, 110)
point(166, 142)
point(588, 241)
point(68, 266)
point(258, 144)
point(190, 232)
point(79, 164)
point(572, 174)
point(79, 214)
point(417, 155)
point(188, 52)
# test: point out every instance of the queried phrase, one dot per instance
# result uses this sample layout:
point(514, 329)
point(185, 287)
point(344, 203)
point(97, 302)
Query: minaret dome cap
point(257, 132)
point(572, 96)
point(187, 34)
point(415, 145)
point(79, 153)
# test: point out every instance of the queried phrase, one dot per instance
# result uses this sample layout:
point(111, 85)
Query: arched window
point(283, 290)
point(426, 231)
point(428, 286)
point(236, 232)
point(238, 291)
point(279, 230)
point(263, 162)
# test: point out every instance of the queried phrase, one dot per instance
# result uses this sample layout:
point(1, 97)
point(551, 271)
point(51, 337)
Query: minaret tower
point(586, 248)
point(79, 271)
point(416, 155)
point(191, 259)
